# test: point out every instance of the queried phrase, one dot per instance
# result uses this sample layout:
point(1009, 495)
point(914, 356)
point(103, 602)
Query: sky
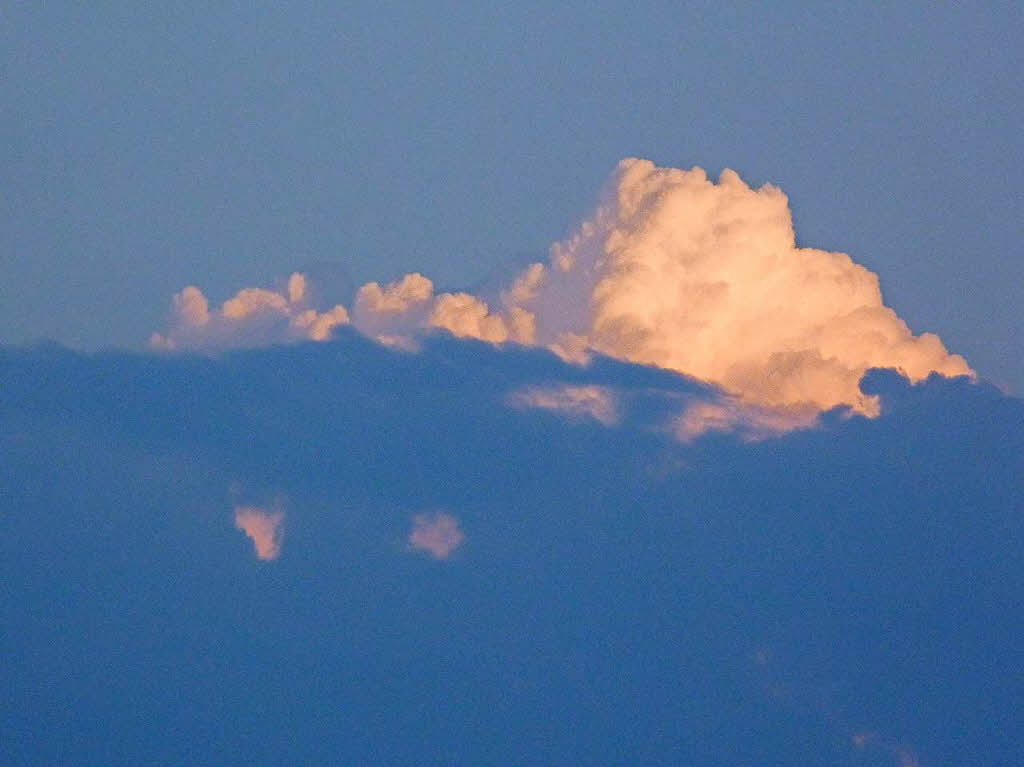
point(591, 384)
point(146, 148)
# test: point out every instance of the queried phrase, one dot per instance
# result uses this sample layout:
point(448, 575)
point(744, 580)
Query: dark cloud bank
point(847, 595)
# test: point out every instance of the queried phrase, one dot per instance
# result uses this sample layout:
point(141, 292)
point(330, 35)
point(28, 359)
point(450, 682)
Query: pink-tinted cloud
point(595, 402)
point(409, 305)
point(252, 317)
point(436, 534)
point(264, 527)
point(732, 415)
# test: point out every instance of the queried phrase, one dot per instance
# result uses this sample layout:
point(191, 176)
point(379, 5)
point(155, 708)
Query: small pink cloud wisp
point(265, 528)
point(437, 534)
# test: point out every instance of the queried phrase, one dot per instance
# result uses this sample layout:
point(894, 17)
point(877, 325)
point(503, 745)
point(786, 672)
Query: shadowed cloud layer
point(627, 597)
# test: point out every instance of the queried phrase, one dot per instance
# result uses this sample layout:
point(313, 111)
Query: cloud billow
point(671, 269)
point(252, 317)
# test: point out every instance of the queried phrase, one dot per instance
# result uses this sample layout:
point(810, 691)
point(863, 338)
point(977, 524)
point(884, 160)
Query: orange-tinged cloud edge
point(671, 269)
point(252, 317)
point(265, 527)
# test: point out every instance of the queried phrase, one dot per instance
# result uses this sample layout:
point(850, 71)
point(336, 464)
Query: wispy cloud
point(594, 402)
point(733, 415)
point(436, 534)
point(265, 527)
point(901, 754)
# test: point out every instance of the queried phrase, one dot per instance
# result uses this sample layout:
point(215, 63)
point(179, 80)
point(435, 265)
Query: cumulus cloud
point(595, 402)
point(671, 269)
point(265, 528)
point(252, 317)
point(395, 300)
point(436, 534)
point(706, 278)
point(393, 312)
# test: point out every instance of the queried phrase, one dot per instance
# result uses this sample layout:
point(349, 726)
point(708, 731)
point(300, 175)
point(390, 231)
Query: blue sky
point(145, 148)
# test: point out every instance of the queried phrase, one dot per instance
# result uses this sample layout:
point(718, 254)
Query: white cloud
point(675, 270)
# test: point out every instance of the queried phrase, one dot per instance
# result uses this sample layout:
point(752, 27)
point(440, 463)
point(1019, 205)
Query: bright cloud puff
point(436, 534)
point(265, 528)
point(410, 304)
point(671, 269)
point(706, 279)
point(253, 317)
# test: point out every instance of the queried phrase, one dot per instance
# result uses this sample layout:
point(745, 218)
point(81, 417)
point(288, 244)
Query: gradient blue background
point(148, 146)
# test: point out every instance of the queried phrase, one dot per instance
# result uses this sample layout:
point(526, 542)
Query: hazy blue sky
point(149, 146)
